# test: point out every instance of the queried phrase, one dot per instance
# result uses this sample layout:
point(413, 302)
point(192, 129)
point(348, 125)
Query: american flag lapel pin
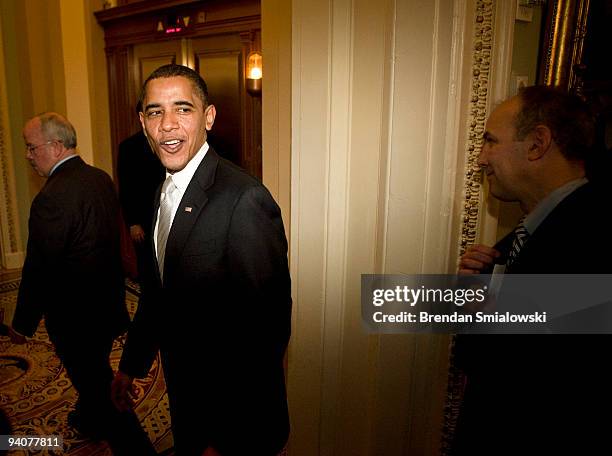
point(188, 209)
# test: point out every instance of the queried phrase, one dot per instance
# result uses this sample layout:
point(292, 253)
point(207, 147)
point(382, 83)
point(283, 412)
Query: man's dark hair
point(567, 116)
point(172, 70)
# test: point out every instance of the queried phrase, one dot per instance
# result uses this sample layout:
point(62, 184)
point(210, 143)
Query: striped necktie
point(521, 235)
point(166, 206)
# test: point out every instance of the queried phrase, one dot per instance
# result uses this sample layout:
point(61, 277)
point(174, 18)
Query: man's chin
point(173, 166)
point(502, 196)
point(495, 191)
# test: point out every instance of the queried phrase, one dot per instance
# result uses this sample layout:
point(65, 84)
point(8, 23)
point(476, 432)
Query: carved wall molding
point(472, 203)
point(10, 237)
point(480, 83)
point(8, 219)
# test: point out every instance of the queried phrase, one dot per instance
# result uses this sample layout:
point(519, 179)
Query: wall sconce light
point(254, 74)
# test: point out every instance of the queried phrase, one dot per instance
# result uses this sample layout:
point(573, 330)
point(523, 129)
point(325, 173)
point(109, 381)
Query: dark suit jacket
point(543, 393)
point(140, 173)
point(222, 317)
point(72, 273)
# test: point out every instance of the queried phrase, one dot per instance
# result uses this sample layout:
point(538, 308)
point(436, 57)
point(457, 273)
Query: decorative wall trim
point(7, 215)
point(10, 239)
point(481, 66)
point(493, 23)
point(473, 205)
point(14, 260)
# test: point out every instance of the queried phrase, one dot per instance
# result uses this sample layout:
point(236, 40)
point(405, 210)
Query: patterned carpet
point(36, 394)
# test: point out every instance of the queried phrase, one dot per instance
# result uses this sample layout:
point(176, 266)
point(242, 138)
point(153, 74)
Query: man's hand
point(477, 258)
point(15, 337)
point(137, 233)
point(122, 392)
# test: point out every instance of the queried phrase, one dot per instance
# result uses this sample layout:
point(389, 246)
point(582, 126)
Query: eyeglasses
point(30, 148)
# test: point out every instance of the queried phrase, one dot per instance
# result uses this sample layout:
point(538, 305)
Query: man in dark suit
point(539, 394)
point(218, 303)
point(72, 277)
point(139, 173)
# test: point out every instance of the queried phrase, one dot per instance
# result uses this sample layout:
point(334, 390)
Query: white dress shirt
point(181, 179)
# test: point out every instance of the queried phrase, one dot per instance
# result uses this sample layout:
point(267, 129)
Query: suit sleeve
point(142, 341)
point(49, 232)
point(257, 252)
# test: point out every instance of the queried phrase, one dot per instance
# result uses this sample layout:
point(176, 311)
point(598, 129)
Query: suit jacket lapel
point(152, 237)
point(190, 207)
point(547, 237)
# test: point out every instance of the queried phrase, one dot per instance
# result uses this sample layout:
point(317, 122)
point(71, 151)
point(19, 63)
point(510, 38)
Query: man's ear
point(209, 116)
point(58, 149)
point(540, 141)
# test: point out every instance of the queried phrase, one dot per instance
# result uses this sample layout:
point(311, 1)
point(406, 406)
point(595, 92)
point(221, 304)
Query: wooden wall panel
point(222, 72)
point(120, 99)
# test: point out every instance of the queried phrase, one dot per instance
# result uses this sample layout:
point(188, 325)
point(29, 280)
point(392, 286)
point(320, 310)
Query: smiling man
point(217, 304)
point(539, 394)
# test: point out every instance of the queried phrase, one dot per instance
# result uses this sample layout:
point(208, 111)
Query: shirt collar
point(63, 160)
point(182, 178)
point(552, 200)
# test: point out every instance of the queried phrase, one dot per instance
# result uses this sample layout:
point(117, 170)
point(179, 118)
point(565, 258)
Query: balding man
point(73, 277)
point(539, 394)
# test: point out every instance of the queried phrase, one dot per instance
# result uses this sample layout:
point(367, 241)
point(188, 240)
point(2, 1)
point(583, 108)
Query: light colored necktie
point(521, 235)
point(166, 206)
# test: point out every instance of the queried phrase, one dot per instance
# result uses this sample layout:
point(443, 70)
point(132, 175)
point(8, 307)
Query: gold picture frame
point(562, 46)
